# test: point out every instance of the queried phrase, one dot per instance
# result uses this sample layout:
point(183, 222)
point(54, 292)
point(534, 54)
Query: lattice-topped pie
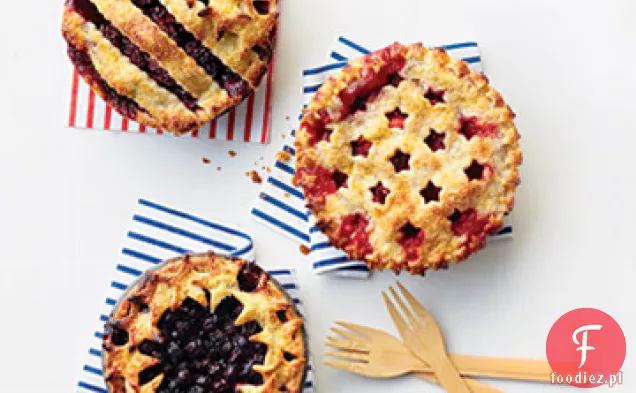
point(408, 159)
point(205, 324)
point(171, 64)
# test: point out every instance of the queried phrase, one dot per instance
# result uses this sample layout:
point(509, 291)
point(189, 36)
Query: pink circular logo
point(586, 348)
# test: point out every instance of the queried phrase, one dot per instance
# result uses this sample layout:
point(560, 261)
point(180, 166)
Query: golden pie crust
point(234, 41)
point(454, 131)
point(189, 277)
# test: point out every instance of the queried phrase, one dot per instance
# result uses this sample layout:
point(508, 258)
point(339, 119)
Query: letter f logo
point(583, 343)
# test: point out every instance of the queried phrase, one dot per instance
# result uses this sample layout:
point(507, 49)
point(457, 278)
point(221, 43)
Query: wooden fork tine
point(346, 345)
point(406, 310)
point(352, 367)
point(356, 356)
point(400, 323)
point(348, 335)
point(419, 309)
point(358, 329)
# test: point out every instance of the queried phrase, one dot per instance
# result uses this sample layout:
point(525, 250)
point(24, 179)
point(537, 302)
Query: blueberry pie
point(205, 324)
point(408, 159)
point(171, 64)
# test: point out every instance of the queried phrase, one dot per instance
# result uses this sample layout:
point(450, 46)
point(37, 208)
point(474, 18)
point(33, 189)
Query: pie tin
point(290, 300)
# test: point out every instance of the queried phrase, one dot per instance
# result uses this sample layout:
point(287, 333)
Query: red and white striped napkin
point(248, 122)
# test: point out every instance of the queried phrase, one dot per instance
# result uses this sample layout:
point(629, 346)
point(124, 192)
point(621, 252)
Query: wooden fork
point(376, 354)
point(425, 339)
point(362, 339)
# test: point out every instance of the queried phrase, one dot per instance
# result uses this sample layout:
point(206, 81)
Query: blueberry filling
point(202, 351)
point(249, 277)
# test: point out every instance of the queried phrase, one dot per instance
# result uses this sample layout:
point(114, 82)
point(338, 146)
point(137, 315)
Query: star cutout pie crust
point(438, 168)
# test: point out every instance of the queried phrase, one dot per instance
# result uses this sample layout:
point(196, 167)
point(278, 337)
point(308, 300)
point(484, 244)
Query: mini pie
point(171, 64)
point(205, 324)
point(408, 159)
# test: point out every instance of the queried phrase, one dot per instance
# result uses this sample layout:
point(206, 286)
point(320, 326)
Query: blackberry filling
point(142, 60)
point(200, 350)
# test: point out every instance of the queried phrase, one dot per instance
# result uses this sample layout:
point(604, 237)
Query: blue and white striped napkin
point(281, 206)
point(159, 233)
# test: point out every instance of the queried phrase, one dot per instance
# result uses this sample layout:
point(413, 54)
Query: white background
point(566, 68)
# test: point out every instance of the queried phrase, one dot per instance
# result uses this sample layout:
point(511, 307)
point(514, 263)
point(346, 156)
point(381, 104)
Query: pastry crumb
point(284, 136)
point(205, 160)
point(218, 168)
point(286, 195)
point(283, 156)
point(256, 178)
point(304, 250)
point(232, 153)
point(287, 118)
point(268, 169)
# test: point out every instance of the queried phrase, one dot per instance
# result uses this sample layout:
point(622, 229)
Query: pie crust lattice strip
point(171, 64)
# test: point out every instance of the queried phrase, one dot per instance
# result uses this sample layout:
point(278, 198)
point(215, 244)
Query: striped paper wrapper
point(248, 122)
point(281, 205)
point(159, 233)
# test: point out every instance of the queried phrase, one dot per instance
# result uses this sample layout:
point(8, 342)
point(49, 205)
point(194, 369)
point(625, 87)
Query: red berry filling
point(395, 79)
point(477, 171)
point(400, 161)
point(201, 350)
point(435, 141)
point(361, 147)
point(353, 231)
point(472, 126)
point(316, 127)
point(371, 82)
point(380, 193)
point(430, 193)
point(411, 239)
point(325, 182)
point(396, 118)
point(222, 74)
point(474, 226)
point(435, 96)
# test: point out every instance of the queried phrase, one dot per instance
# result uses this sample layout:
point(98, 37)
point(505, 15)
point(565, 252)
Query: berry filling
point(396, 118)
point(261, 6)
point(353, 230)
point(380, 193)
point(371, 82)
point(324, 182)
point(435, 141)
point(430, 193)
point(400, 161)
point(435, 96)
point(202, 351)
point(395, 79)
point(411, 239)
point(84, 65)
point(316, 127)
point(472, 126)
point(474, 226)
point(222, 74)
point(477, 171)
point(361, 147)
